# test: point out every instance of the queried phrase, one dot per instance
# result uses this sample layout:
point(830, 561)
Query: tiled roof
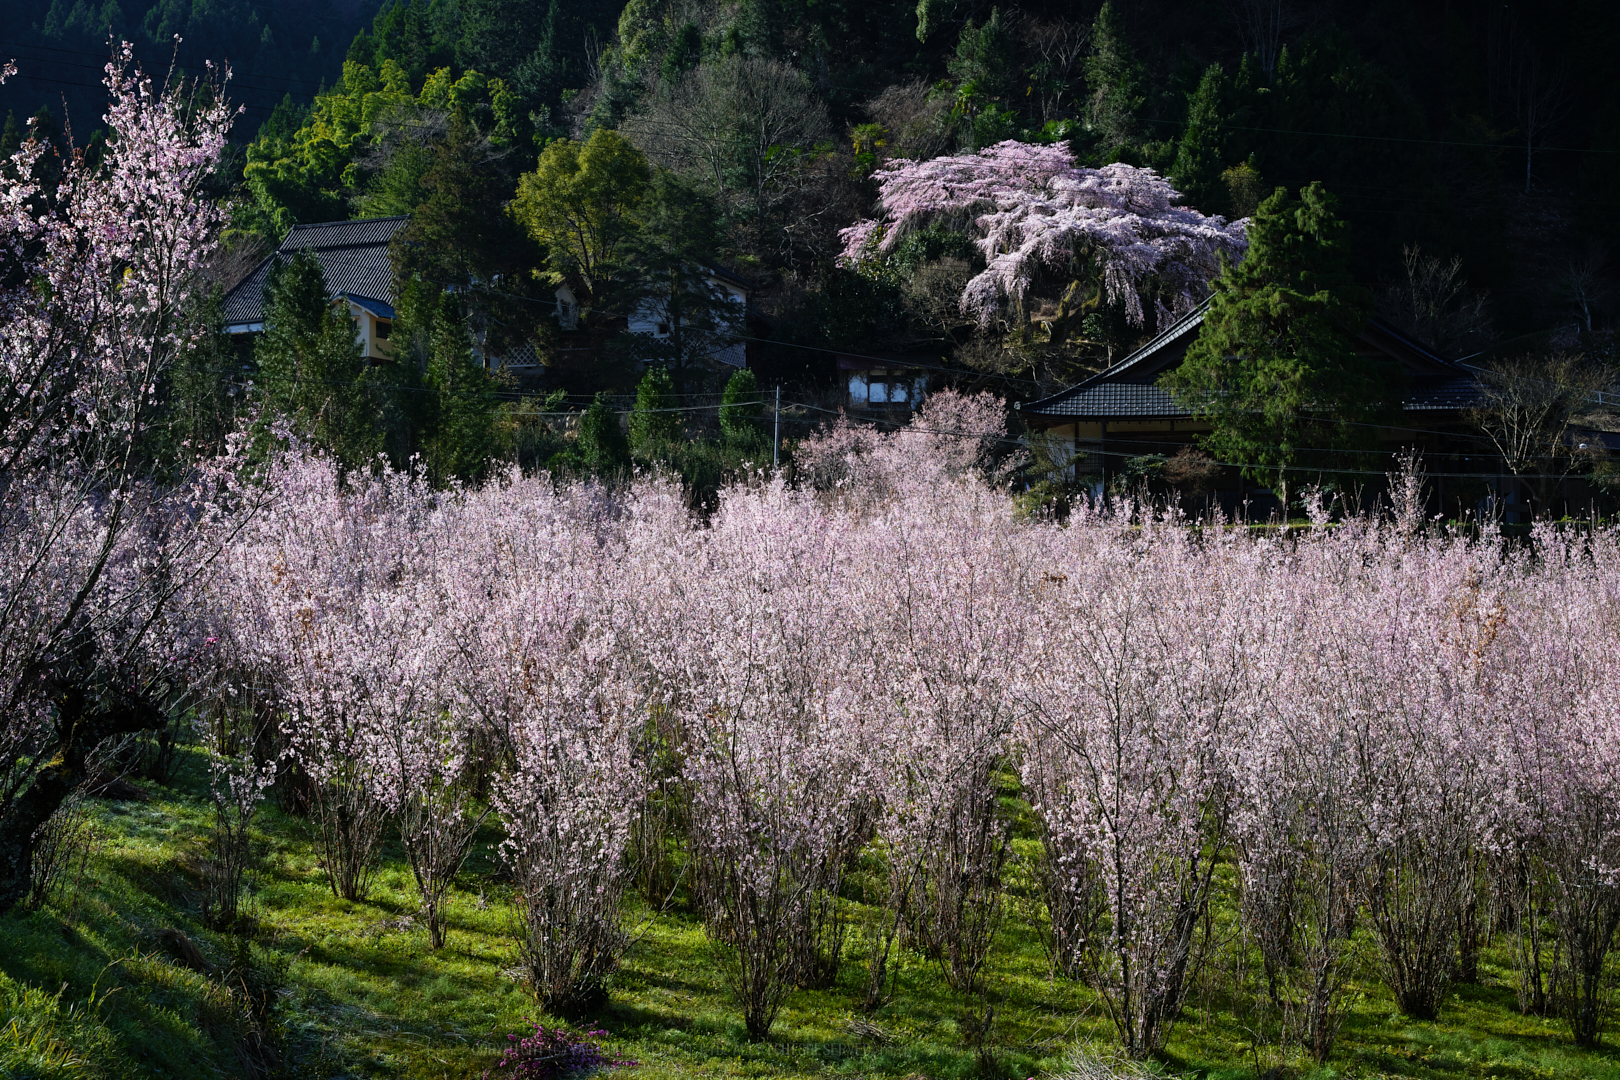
point(1108, 400)
point(1457, 392)
point(1128, 388)
point(330, 234)
point(353, 256)
point(376, 307)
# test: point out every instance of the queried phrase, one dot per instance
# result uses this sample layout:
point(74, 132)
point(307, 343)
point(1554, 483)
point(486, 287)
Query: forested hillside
point(277, 49)
point(1472, 148)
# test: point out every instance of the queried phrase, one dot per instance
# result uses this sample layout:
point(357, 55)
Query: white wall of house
point(371, 332)
point(651, 317)
point(567, 308)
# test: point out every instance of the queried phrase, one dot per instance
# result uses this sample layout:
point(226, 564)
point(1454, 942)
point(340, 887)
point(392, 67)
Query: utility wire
point(877, 360)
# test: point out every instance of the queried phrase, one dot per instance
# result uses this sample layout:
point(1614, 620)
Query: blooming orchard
point(1390, 733)
point(1378, 726)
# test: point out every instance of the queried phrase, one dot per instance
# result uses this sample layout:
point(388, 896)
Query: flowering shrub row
point(1377, 726)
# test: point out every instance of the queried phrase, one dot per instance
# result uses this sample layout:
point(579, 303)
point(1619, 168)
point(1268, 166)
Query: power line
point(877, 360)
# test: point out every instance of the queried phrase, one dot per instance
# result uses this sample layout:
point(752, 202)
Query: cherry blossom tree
point(1558, 696)
point(777, 724)
point(540, 661)
point(1031, 208)
point(944, 824)
point(1134, 693)
point(341, 616)
point(100, 269)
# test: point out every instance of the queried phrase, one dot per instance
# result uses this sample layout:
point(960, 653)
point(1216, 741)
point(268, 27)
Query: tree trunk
point(83, 722)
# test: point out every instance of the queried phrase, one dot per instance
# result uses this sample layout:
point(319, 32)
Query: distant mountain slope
point(274, 47)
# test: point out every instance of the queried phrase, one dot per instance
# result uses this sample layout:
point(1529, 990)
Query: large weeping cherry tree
point(1030, 208)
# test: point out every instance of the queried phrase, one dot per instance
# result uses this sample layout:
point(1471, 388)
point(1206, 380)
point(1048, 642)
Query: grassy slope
point(87, 990)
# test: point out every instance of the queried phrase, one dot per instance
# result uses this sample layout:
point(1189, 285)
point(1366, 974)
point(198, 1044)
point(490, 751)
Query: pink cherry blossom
point(1030, 208)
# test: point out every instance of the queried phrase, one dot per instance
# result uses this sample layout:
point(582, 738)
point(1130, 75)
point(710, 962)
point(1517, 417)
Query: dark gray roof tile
point(353, 256)
point(1127, 389)
point(328, 234)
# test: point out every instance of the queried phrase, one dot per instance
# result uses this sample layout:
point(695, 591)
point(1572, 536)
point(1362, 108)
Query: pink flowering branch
point(1030, 208)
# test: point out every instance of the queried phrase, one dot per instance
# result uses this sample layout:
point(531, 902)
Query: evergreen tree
point(984, 68)
point(459, 435)
point(741, 407)
point(652, 423)
point(1200, 153)
point(463, 236)
point(602, 444)
point(418, 36)
point(1115, 78)
point(202, 391)
point(985, 57)
point(1275, 367)
point(310, 371)
point(666, 272)
point(685, 53)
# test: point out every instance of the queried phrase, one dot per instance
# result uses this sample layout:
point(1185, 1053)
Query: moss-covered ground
point(316, 987)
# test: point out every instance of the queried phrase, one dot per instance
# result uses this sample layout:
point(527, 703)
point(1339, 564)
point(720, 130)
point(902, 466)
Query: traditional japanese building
point(1122, 413)
point(353, 257)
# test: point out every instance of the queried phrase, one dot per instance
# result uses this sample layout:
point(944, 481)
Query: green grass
point(86, 989)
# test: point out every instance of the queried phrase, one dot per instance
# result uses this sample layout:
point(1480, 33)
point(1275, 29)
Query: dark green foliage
point(203, 391)
point(1200, 155)
point(461, 231)
point(310, 371)
point(284, 120)
point(667, 267)
point(462, 236)
point(541, 47)
point(705, 466)
point(603, 449)
point(417, 35)
point(931, 244)
point(984, 68)
point(1115, 78)
point(458, 428)
point(1275, 368)
point(742, 407)
point(397, 189)
point(849, 309)
point(985, 57)
point(1337, 119)
point(685, 53)
point(272, 50)
point(653, 421)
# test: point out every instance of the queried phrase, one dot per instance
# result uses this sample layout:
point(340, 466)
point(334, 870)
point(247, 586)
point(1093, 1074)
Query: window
point(663, 329)
point(880, 387)
point(384, 328)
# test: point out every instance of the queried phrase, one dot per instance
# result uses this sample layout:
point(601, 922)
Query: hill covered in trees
point(1470, 146)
